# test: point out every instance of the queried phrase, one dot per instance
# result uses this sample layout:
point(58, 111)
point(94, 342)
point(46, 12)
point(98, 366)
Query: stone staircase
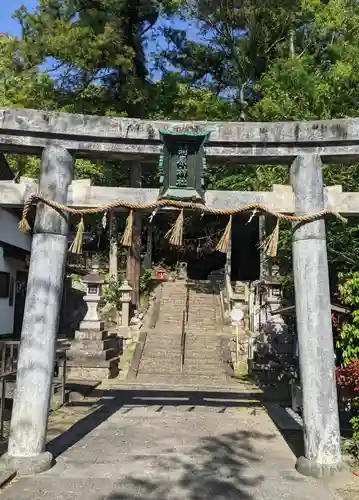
point(162, 351)
point(161, 357)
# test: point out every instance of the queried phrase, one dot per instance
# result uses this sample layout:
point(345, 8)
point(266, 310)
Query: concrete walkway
point(170, 445)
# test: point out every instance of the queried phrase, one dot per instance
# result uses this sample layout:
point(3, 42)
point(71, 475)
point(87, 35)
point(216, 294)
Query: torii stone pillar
point(315, 337)
point(27, 441)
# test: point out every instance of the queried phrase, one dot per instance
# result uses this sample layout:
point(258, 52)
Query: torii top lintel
point(29, 131)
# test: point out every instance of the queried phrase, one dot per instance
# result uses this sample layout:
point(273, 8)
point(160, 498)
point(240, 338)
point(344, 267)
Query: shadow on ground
point(114, 400)
point(219, 468)
point(185, 459)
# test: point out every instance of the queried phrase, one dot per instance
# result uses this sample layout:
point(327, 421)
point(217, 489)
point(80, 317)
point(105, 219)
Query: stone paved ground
point(169, 445)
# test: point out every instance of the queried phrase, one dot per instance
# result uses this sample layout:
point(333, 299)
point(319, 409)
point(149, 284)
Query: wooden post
point(228, 264)
point(265, 263)
point(134, 253)
point(35, 369)
point(314, 327)
point(113, 254)
point(148, 257)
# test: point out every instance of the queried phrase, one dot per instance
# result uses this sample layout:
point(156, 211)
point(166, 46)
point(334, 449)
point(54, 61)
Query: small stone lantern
point(94, 282)
point(182, 271)
point(274, 289)
point(125, 299)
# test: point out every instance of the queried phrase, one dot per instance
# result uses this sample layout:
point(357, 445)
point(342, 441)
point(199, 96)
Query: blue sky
point(7, 8)
point(11, 26)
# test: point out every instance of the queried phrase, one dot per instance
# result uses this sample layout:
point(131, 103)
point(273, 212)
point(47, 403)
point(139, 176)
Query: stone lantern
point(94, 282)
point(94, 352)
point(125, 299)
point(273, 290)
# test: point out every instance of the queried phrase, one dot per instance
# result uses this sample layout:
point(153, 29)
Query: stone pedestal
point(94, 354)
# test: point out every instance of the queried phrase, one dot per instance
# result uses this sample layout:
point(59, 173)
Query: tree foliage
point(93, 48)
point(238, 59)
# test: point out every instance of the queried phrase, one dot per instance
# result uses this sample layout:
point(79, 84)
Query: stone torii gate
point(57, 137)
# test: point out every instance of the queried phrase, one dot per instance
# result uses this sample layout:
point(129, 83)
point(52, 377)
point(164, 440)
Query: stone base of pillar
point(27, 466)
point(93, 355)
point(311, 468)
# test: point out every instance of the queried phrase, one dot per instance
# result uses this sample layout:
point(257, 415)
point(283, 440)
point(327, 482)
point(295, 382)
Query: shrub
point(348, 379)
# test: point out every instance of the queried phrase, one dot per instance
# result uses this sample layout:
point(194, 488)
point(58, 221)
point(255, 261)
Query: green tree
point(94, 49)
point(289, 60)
point(20, 87)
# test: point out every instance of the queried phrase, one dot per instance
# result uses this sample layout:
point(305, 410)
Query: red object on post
point(160, 273)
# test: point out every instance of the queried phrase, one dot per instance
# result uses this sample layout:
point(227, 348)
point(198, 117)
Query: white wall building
point(14, 254)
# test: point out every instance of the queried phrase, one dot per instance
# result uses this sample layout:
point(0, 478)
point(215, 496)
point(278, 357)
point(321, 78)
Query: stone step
point(162, 348)
point(160, 355)
point(160, 359)
point(163, 324)
point(160, 370)
point(91, 354)
point(202, 329)
point(205, 342)
point(174, 298)
point(201, 349)
point(201, 346)
point(165, 350)
point(164, 342)
point(163, 334)
point(169, 324)
point(168, 327)
point(164, 337)
point(199, 322)
point(206, 326)
point(181, 379)
point(97, 373)
point(200, 361)
point(204, 370)
point(91, 369)
point(202, 339)
point(203, 352)
point(196, 362)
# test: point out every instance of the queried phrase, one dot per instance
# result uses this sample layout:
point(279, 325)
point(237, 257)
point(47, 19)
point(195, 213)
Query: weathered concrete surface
point(134, 252)
point(314, 327)
point(170, 446)
point(28, 131)
point(26, 451)
point(81, 195)
point(113, 250)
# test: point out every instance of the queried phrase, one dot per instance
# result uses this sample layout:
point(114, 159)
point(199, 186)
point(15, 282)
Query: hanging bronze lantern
point(182, 164)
